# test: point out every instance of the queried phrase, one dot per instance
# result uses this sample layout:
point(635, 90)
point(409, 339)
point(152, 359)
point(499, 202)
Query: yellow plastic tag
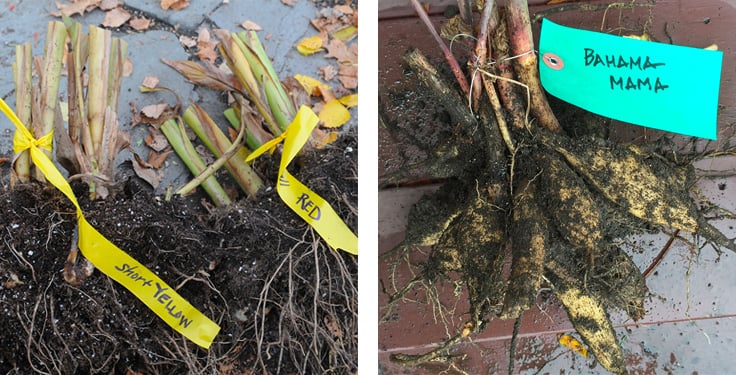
point(112, 261)
point(308, 205)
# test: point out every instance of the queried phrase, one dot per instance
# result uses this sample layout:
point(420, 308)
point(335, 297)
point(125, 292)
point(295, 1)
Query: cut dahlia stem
point(478, 61)
point(449, 97)
point(507, 90)
point(466, 10)
point(454, 65)
point(525, 62)
point(488, 23)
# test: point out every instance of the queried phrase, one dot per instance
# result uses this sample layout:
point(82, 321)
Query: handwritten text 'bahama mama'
point(632, 63)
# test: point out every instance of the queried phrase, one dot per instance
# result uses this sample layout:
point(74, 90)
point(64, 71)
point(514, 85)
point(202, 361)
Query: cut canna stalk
point(278, 100)
point(93, 140)
point(22, 75)
point(218, 143)
point(177, 137)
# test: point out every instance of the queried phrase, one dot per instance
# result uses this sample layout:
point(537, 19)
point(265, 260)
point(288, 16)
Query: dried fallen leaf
point(330, 20)
point(146, 172)
point(136, 115)
point(348, 76)
point(250, 25)
point(310, 84)
point(349, 100)
point(290, 3)
point(345, 9)
point(337, 49)
point(127, 67)
point(156, 160)
point(140, 23)
point(116, 18)
point(174, 4)
point(156, 140)
point(109, 4)
point(150, 82)
point(296, 92)
point(326, 94)
point(206, 47)
point(154, 111)
point(310, 45)
point(77, 7)
point(334, 114)
point(328, 72)
point(321, 138)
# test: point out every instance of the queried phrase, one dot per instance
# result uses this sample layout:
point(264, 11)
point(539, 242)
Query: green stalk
point(23, 77)
point(216, 141)
point(178, 140)
point(233, 117)
point(50, 78)
point(278, 100)
point(238, 63)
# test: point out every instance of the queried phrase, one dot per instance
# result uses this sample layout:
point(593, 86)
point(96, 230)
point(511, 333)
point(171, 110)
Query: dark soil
point(286, 302)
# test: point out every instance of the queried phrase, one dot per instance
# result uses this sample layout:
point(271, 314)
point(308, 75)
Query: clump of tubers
point(556, 203)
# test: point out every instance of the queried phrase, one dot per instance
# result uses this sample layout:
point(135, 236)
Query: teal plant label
point(661, 86)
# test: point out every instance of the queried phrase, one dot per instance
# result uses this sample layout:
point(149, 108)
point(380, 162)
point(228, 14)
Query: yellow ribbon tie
point(307, 204)
point(111, 260)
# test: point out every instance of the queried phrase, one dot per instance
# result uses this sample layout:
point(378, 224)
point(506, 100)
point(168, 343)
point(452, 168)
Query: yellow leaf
point(349, 101)
point(712, 47)
point(346, 33)
point(334, 114)
point(311, 84)
point(308, 46)
point(643, 36)
point(573, 344)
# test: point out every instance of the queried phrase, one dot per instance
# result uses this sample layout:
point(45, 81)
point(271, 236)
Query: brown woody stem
point(507, 90)
point(481, 49)
point(454, 65)
point(525, 61)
